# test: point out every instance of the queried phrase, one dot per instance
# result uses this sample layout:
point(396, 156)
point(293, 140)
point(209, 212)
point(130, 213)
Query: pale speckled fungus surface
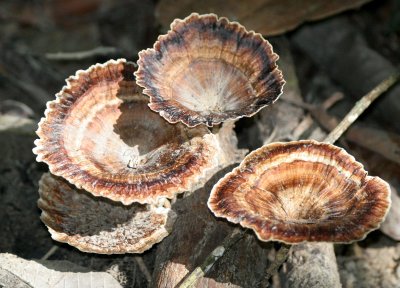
point(99, 225)
point(302, 191)
point(206, 70)
point(100, 136)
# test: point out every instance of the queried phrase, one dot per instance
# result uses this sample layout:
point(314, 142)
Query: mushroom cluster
point(100, 136)
point(120, 140)
point(114, 163)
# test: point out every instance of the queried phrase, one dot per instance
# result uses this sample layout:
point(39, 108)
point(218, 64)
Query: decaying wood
point(217, 253)
point(197, 232)
point(374, 266)
point(312, 265)
point(280, 258)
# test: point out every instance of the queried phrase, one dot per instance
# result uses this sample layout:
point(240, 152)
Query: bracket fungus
point(100, 136)
point(206, 70)
point(98, 225)
point(302, 191)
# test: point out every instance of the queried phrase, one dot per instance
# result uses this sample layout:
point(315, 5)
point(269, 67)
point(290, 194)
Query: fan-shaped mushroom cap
point(207, 70)
point(302, 191)
point(100, 135)
point(99, 225)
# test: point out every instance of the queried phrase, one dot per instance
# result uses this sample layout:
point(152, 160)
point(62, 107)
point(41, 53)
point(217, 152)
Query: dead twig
point(79, 55)
point(377, 140)
point(281, 256)
point(191, 279)
point(317, 112)
point(143, 268)
point(360, 107)
point(51, 251)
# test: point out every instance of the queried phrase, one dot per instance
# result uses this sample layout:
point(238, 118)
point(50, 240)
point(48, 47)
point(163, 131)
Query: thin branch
point(191, 279)
point(49, 253)
point(280, 258)
point(360, 107)
point(79, 55)
point(143, 268)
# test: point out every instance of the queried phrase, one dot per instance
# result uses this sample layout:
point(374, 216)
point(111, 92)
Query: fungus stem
point(360, 107)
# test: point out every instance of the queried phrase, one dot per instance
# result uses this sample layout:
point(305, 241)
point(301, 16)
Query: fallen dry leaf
point(268, 17)
point(50, 274)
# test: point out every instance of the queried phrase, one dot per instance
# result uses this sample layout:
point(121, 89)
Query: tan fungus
point(100, 136)
point(98, 225)
point(206, 70)
point(302, 191)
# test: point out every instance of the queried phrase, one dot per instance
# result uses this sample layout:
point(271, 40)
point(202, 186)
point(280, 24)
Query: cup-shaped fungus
point(100, 136)
point(99, 225)
point(302, 191)
point(208, 70)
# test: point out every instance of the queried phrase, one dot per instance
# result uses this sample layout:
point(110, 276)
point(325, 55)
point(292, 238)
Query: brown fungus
point(302, 191)
point(206, 70)
point(98, 225)
point(100, 136)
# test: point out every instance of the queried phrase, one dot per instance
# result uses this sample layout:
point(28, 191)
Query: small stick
point(191, 279)
point(142, 266)
point(281, 256)
point(51, 251)
point(79, 55)
point(360, 107)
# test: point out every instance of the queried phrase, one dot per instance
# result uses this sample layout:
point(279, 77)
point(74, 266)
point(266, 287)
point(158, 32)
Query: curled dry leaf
point(98, 225)
point(100, 136)
point(302, 191)
point(206, 70)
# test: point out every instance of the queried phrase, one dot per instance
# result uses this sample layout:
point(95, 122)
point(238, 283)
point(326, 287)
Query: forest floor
point(32, 72)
